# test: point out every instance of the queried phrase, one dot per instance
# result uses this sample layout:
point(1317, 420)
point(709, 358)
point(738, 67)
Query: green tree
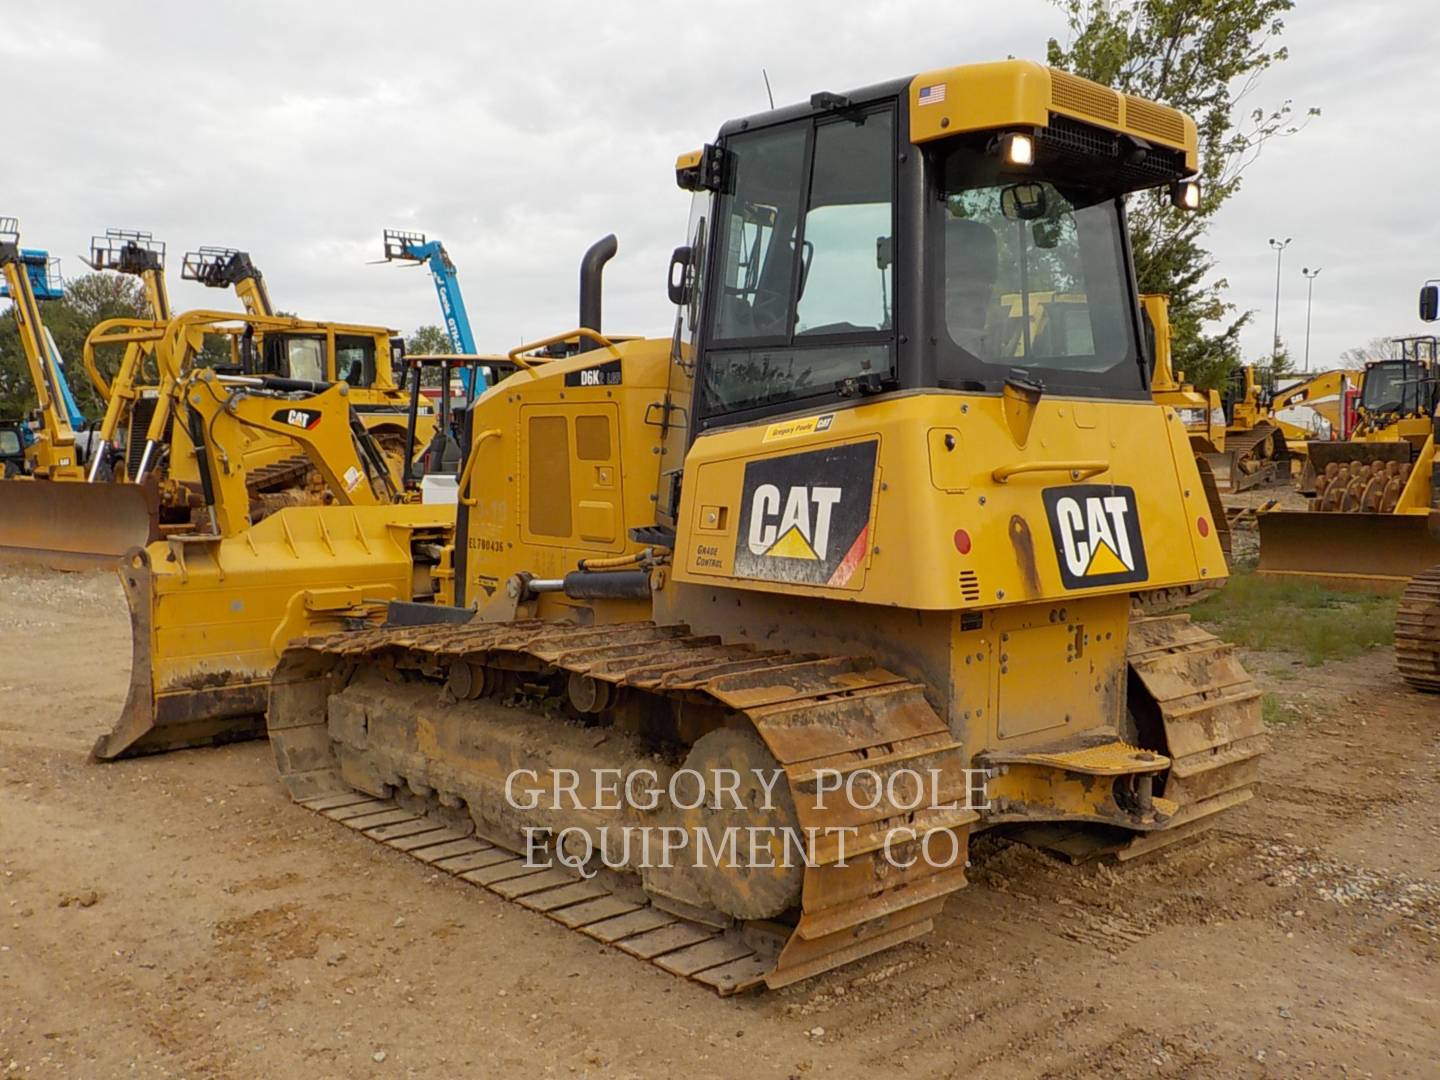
point(89, 299)
point(429, 340)
point(1204, 57)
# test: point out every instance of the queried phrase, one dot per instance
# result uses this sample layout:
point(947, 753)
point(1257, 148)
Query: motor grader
point(832, 529)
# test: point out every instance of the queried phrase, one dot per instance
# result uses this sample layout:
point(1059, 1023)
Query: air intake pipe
point(592, 269)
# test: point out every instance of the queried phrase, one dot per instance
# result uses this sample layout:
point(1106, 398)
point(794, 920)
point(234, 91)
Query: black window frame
point(711, 346)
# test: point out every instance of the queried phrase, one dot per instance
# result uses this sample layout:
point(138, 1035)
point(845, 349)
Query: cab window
point(9, 442)
point(305, 359)
point(355, 360)
point(803, 262)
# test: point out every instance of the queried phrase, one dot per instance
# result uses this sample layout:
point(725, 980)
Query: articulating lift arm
point(225, 268)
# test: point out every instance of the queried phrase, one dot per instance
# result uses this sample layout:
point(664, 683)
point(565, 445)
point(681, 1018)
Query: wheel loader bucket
point(1378, 552)
point(72, 525)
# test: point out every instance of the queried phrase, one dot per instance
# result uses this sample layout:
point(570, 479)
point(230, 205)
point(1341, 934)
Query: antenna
point(768, 93)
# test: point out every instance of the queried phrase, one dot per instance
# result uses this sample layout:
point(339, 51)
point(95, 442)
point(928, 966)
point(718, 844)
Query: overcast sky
point(518, 133)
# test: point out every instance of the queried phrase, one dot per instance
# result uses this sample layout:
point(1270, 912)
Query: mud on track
point(179, 916)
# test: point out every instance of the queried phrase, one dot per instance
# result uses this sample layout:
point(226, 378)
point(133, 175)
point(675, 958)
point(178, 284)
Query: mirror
point(678, 284)
point(1023, 202)
point(1430, 303)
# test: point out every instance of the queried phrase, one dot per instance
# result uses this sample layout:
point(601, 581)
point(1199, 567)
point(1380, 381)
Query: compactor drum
point(754, 625)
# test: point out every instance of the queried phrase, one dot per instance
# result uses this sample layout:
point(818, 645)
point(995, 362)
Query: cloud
point(519, 134)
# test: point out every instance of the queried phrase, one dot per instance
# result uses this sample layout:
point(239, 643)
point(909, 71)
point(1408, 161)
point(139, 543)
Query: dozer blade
point(72, 525)
point(210, 617)
point(1378, 552)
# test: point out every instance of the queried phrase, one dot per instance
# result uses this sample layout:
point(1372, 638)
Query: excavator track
point(404, 734)
point(1417, 632)
point(1189, 694)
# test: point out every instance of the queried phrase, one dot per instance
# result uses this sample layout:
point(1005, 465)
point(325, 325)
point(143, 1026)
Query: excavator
point(212, 605)
point(830, 535)
point(1374, 489)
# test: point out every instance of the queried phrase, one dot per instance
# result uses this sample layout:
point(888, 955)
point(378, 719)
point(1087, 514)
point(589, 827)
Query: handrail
point(115, 332)
point(584, 332)
point(462, 489)
point(1078, 470)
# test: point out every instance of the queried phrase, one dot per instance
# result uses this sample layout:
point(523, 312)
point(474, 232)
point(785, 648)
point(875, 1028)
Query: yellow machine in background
point(211, 607)
point(145, 477)
point(835, 523)
point(1368, 521)
point(1256, 451)
point(1201, 411)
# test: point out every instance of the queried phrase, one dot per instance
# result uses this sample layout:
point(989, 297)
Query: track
point(1417, 632)
point(422, 726)
point(1249, 460)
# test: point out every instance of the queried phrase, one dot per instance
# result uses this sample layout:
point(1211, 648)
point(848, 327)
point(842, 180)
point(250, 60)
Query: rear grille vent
point(1151, 119)
point(969, 586)
point(1081, 95)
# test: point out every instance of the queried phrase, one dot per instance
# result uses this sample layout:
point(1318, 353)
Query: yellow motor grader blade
point(72, 525)
point(1378, 552)
point(209, 617)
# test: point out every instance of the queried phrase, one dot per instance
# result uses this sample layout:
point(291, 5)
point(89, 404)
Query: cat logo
point(1096, 531)
point(806, 517)
point(305, 419)
point(795, 532)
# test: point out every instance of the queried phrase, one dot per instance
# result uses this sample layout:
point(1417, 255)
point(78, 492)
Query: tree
point(429, 340)
point(1379, 348)
point(89, 299)
point(1204, 57)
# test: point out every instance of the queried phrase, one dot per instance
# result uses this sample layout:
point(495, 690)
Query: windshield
point(1391, 387)
point(9, 441)
point(1034, 280)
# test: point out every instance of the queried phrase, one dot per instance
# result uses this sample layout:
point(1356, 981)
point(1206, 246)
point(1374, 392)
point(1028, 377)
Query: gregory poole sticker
point(1096, 530)
point(806, 517)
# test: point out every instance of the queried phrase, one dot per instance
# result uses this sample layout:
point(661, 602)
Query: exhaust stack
point(592, 269)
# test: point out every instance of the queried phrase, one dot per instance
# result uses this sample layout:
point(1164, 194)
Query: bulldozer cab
point(1396, 389)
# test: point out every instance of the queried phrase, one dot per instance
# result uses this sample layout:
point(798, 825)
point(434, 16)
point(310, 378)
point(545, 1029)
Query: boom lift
point(413, 247)
point(30, 277)
point(834, 524)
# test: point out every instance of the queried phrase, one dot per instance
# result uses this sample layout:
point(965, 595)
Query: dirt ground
point(178, 916)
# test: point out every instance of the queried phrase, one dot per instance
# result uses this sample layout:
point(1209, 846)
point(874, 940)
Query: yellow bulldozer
point(796, 574)
point(1256, 451)
point(211, 606)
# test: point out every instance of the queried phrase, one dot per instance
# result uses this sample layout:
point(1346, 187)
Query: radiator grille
point(1081, 95)
point(1150, 119)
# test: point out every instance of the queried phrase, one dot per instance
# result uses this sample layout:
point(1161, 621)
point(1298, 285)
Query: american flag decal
point(932, 95)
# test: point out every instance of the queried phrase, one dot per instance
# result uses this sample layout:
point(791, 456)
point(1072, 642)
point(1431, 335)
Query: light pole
point(1310, 276)
point(1279, 246)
